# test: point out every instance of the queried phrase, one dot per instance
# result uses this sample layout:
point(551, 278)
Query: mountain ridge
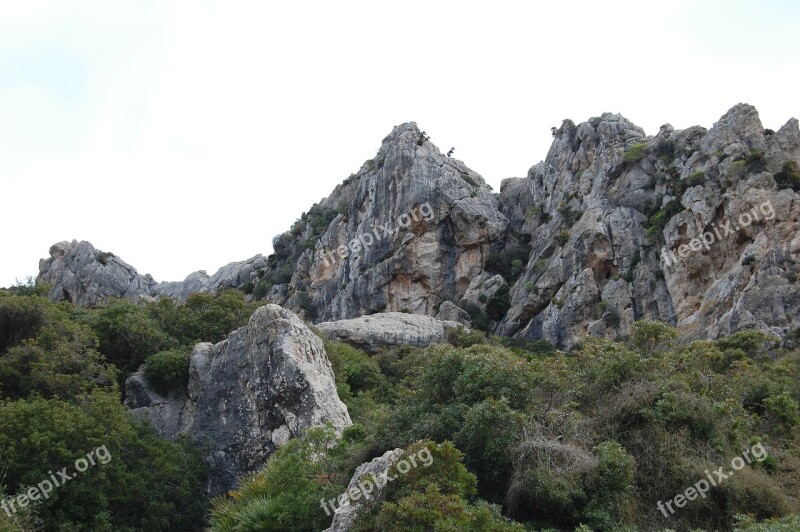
point(576, 246)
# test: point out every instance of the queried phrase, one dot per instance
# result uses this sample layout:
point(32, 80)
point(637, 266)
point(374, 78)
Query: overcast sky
point(182, 136)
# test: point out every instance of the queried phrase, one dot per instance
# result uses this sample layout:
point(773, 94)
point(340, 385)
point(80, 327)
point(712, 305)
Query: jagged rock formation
point(231, 276)
point(89, 277)
point(387, 329)
point(267, 382)
point(618, 207)
point(422, 224)
point(79, 273)
point(605, 231)
point(345, 514)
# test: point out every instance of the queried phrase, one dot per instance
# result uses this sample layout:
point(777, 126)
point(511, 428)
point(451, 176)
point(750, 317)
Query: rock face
point(88, 277)
point(232, 275)
point(608, 229)
point(345, 515)
point(267, 382)
point(620, 206)
point(388, 329)
point(419, 226)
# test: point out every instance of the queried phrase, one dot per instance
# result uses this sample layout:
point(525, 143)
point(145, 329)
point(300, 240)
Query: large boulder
point(387, 329)
point(267, 382)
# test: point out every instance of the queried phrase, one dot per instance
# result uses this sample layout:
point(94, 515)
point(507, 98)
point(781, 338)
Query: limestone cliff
point(694, 227)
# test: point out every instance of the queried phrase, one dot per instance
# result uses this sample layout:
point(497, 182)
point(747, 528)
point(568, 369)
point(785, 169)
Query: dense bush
point(129, 334)
point(789, 176)
point(286, 494)
point(168, 370)
point(20, 318)
point(635, 153)
point(148, 483)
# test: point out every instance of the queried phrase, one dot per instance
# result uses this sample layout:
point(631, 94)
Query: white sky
point(182, 136)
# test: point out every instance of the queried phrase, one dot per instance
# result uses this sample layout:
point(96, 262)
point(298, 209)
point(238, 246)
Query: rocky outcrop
point(612, 227)
point(231, 276)
point(388, 329)
point(413, 226)
point(612, 214)
point(345, 514)
point(88, 277)
point(81, 274)
point(267, 382)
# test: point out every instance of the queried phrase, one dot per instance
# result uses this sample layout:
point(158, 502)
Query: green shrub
point(499, 304)
point(469, 179)
point(635, 153)
point(168, 370)
point(789, 176)
point(20, 318)
point(148, 483)
point(563, 236)
point(262, 289)
point(129, 334)
point(463, 337)
point(478, 317)
point(286, 493)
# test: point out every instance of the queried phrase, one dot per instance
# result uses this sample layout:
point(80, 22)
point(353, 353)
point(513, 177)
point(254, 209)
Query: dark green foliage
point(570, 216)
point(498, 304)
point(461, 337)
point(502, 261)
point(147, 484)
point(61, 361)
point(789, 176)
point(203, 318)
point(433, 497)
point(129, 334)
point(305, 302)
point(665, 151)
point(355, 371)
point(262, 289)
point(20, 318)
point(755, 161)
point(103, 257)
point(286, 494)
point(478, 317)
point(524, 347)
point(563, 236)
point(168, 370)
point(659, 218)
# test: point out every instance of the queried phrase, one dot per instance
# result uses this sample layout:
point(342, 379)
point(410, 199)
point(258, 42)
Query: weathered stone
point(267, 382)
point(79, 273)
point(345, 515)
point(448, 311)
point(388, 329)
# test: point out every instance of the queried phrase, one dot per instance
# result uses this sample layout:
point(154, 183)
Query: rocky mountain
point(694, 227)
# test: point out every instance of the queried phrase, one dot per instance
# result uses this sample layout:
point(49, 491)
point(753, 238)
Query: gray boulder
point(449, 311)
point(387, 329)
point(267, 382)
point(345, 514)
